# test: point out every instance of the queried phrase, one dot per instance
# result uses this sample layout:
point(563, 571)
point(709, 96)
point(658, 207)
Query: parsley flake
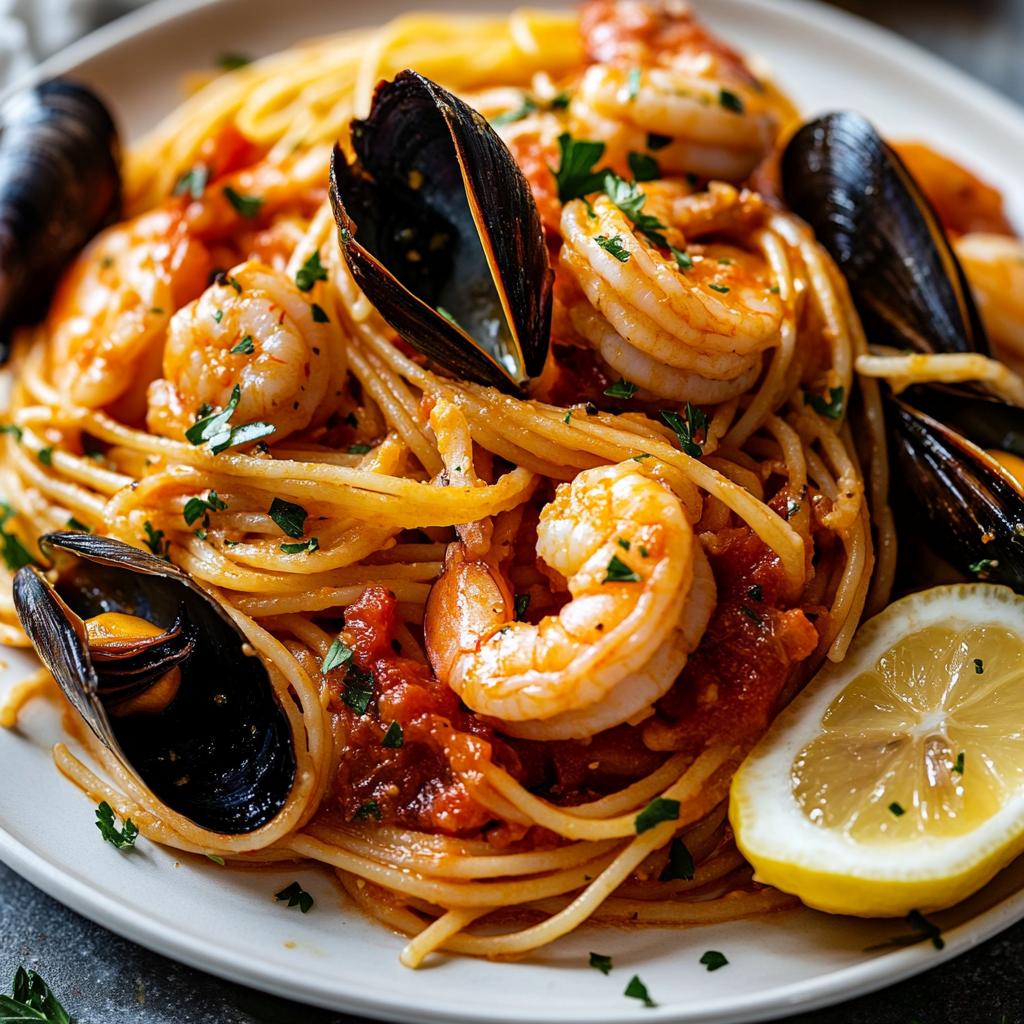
point(521, 603)
point(630, 202)
point(218, 315)
point(217, 429)
point(14, 552)
point(123, 839)
point(338, 654)
point(722, 288)
point(155, 540)
point(319, 316)
point(644, 167)
point(567, 416)
point(687, 430)
point(641, 457)
point(633, 83)
point(600, 963)
point(730, 101)
point(193, 182)
point(245, 347)
point(296, 897)
point(682, 259)
point(576, 176)
point(195, 507)
point(918, 921)
point(11, 428)
point(247, 206)
point(958, 767)
point(619, 572)
point(636, 989)
point(45, 455)
point(657, 811)
point(656, 142)
point(979, 666)
point(622, 389)
point(752, 615)
point(216, 860)
point(76, 524)
point(303, 547)
point(358, 689)
point(370, 809)
point(680, 863)
point(358, 449)
point(623, 543)
point(833, 408)
point(712, 959)
point(981, 567)
point(310, 272)
point(232, 61)
point(394, 737)
point(524, 110)
point(613, 246)
point(896, 809)
point(291, 518)
point(774, 289)
point(31, 1000)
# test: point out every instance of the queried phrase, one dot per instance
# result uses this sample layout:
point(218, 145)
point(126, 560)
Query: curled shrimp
point(252, 328)
point(689, 326)
point(994, 265)
point(108, 319)
point(641, 595)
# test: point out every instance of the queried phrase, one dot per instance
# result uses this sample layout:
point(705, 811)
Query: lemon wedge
point(895, 780)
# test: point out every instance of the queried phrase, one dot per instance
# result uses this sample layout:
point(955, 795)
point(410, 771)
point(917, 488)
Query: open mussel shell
point(955, 497)
point(986, 421)
point(866, 209)
point(440, 229)
point(212, 743)
point(59, 184)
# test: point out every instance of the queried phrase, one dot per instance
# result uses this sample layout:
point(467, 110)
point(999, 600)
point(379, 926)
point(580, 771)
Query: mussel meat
point(161, 675)
point(440, 229)
point(60, 183)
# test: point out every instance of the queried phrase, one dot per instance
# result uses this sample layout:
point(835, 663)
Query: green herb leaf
point(15, 554)
point(979, 666)
point(613, 246)
point(561, 100)
point(76, 524)
point(310, 272)
point(296, 897)
point(319, 316)
point(122, 839)
point(622, 389)
point(686, 430)
point(247, 206)
point(358, 688)
point(370, 809)
point(959, 766)
point(680, 863)
point(600, 963)
point(644, 167)
point(232, 61)
point(394, 737)
point(981, 567)
point(241, 435)
point(11, 428)
point(730, 101)
point(896, 809)
point(641, 457)
point(567, 416)
point(31, 1000)
point(792, 507)
point(210, 426)
point(448, 316)
point(359, 449)
point(682, 259)
point(291, 518)
point(306, 547)
point(724, 289)
point(619, 572)
point(155, 540)
point(774, 289)
point(712, 959)
point(338, 654)
point(833, 408)
point(623, 543)
point(656, 142)
point(657, 811)
point(575, 176)
point(636, 989)
point(630, 201)
point(527, 108)
point(633, 83)
point(195, 507)
point(245, 347)
point(45, 456)
point(521, 602)
point(918, 921)
point(193, 182)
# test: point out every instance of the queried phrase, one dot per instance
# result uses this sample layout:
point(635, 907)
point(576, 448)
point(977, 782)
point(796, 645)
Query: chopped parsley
point(319, 316)
point(730, 101)
point(656, 142)
point(155, 540)
point(524, 110)
point(641, 457)
point(193, 182)
point(303, 547)
point(619, 572)
point(11, 428)
point(232, 61)
point(644, 167)
point(216, 860)
point(245, 347)
point(338, 654)
point(247, 206)
point(979, 666)
point(918, 921)
point(394, 737)
point(636, 989)
point(291, 518)
point(621, 389)
point(448, 316)
point(14, 552)
point(296, 897)
point(682, 259)
point(31, 1000)
point(217, 429)
point(633, 83)
point(792, 507)
point(959, 766)
point(310, 272)
point(358, 689)
point(623, 543)
point(687, 430)
point(752, 615)
point(680, 863)
point(630, 202)
point(576, 176)
point(896, 809)
point(981, 567)
point(124, 838)
point(521, 603)
point(613, 246)
point(567, 416)
point(76, 524)
point(774, 289)
point(755, 593)
point(218, 315)
point(657, 811)
point(358, 449)
point(370, 809)
point(712, 959)
point(722, 288)
point(833, 408)
point(642, 550)
point(600, 963)
point(224, 280)
point(45, 456)
point(196, 507)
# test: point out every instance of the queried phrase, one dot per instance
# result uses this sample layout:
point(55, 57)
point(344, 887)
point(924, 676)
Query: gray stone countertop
point(103, 979)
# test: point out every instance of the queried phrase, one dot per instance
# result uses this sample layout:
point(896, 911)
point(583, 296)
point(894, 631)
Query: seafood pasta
point(456, 450)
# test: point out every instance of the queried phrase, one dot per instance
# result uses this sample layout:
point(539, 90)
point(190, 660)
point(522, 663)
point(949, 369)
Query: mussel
point(440, 229)
point(162, 676)
point(910, 290)
point(60, 183)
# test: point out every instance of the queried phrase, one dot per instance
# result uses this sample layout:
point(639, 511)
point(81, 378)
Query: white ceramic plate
point(226, 921)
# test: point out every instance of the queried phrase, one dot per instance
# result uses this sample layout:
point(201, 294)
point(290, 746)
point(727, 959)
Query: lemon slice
point(895, 781)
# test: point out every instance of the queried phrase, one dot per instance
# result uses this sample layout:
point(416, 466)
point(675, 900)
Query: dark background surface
point(103, 979)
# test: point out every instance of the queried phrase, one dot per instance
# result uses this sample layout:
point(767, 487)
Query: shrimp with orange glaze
point(641, 596)
point(252, 328)
point(108, 319)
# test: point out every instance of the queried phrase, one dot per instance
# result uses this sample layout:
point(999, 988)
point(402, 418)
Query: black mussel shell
point(435, 214)
point(59, 184)
point(866, 209)
point(986, 421)
point(221, 752)
point(955, 497)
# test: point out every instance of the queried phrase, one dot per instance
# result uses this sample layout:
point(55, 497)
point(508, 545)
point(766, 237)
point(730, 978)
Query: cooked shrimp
point(252, 328)
point(674, 329)
point(641, 596)
point(109, 316)
point(994, 265)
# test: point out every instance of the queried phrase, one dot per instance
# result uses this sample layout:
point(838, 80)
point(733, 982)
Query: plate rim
point(804, 996)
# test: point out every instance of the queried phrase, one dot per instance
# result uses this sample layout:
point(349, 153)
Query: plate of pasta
point(515, 514)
